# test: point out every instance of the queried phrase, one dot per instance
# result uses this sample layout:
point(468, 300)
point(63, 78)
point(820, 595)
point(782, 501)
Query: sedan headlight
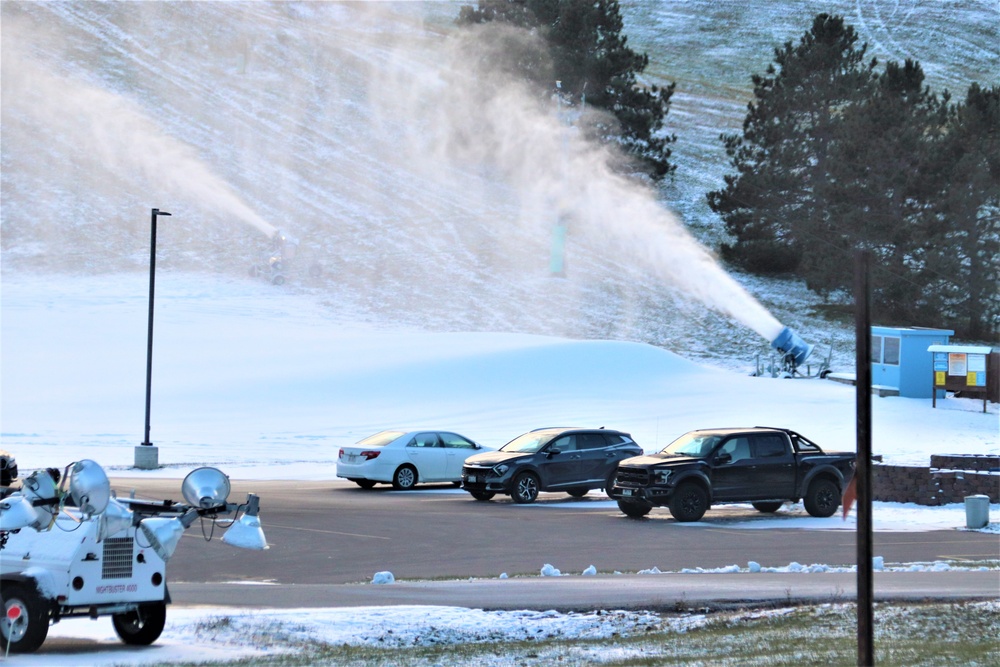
point(501, 469)
point(661, 476)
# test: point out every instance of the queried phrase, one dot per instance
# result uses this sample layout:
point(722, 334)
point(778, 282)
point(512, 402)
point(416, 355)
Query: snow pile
point(878, 565)
point(384, 577)
point(549, 571)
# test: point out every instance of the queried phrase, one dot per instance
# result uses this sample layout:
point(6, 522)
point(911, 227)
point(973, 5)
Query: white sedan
point(403, 458)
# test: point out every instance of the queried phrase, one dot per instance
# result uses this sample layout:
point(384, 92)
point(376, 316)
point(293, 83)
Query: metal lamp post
point(146, 455)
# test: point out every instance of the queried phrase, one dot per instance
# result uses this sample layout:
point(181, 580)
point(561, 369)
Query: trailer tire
point(27, 631)
point(143, 626)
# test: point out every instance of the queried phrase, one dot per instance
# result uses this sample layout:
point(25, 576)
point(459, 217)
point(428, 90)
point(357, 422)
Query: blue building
point(900, 359)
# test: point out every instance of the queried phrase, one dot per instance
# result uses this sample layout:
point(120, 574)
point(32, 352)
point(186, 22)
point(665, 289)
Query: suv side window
point(770, 446)
point(616, 439)
point(567, 443)
point(591, 441)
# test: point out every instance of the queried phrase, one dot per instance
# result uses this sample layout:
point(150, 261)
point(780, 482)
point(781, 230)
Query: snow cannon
point(795, 349)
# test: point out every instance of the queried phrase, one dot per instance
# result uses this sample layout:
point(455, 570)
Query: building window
point(885, 350)
point(890, 350)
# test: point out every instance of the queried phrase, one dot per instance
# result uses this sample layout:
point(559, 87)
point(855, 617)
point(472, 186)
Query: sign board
point(960, 368)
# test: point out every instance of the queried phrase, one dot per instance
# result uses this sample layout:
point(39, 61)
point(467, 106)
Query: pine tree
point(966, 230)
point(594, 64)
point(783, 157)
point(878, 193)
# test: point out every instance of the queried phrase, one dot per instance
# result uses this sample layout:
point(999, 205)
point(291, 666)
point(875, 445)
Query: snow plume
point(111, 136)
point(407, 157)
point(471, 114)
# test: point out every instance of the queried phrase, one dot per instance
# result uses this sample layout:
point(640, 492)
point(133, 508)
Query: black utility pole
point(149, 337)
point(863, 349)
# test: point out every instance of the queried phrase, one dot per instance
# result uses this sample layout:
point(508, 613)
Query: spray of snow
point(115, 133)
point(389, 138)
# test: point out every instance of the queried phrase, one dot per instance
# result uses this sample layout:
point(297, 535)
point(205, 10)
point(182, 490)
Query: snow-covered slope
point(423, 182)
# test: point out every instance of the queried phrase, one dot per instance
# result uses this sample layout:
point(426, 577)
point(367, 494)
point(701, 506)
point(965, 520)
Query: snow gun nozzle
point(792, 346)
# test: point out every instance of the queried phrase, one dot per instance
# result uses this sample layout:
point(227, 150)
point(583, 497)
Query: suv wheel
point(689, 502)
point(578, 493)
point(525, 488)
point(609, 483)
point(822, 499)
point(482, 495)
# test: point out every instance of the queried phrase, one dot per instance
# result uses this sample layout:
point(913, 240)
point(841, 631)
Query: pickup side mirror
point(723, 458)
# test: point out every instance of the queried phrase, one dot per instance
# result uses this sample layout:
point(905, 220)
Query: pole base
point(147, 457)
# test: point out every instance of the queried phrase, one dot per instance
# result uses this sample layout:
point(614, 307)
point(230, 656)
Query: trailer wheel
point(25, 622)
point(143, 626)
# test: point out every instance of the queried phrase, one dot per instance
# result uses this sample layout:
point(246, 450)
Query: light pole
point(146, 455)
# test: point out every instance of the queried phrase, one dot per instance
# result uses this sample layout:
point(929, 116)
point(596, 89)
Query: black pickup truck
point(763, 466)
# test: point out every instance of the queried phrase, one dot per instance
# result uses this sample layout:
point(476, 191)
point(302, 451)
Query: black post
point(863, 345)
point(149, 336)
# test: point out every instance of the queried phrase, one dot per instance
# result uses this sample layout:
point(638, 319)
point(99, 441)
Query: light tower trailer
point(108, 564)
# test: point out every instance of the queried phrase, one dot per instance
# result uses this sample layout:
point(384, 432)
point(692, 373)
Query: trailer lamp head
point(163, 534)
point(663, 475)
point(205, 488)
point(115, 518)
point(246, 532)
point(89, 487)
point(16, 512)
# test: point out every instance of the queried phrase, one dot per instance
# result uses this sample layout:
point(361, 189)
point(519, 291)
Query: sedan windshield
point(529, 443)
point(695, 444)
point(380, 439)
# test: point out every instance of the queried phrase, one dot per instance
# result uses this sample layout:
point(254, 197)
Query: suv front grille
point(632, 477)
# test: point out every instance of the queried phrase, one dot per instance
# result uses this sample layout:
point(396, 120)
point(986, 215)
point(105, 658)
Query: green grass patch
point(905, 635)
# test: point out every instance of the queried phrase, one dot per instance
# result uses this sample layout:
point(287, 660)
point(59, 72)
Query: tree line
point(836, 154)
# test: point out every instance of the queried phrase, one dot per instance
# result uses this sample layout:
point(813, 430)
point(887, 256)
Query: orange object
point(850, 493)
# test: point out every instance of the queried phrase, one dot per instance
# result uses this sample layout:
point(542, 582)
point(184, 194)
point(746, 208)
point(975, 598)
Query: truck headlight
point(501, 469)
point(662, 476)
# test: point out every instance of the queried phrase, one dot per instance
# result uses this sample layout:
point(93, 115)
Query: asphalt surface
point(328, 539)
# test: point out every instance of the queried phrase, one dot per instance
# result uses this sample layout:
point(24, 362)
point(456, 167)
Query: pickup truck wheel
point(689, 502)
point(25, 621)
point(525, 488)
point(767, 508)
point(143, 626)
point(633, 509)
point(577, 493)
point(822, 499)
point(482, 495)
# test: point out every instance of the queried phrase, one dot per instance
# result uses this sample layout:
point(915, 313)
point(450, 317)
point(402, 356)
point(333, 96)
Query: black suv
point(574, 460)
